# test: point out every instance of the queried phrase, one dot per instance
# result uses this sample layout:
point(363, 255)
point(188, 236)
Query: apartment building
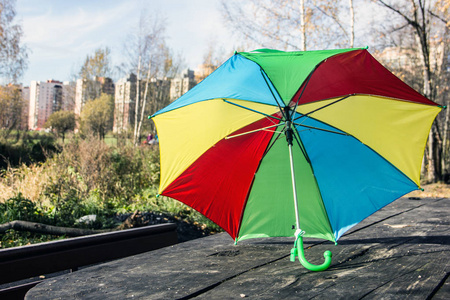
point(124, 100)
point(89, 89)
point(48, 97)
point(68, 91)
point(45, 99)
point(25, 108)
point(181, 84)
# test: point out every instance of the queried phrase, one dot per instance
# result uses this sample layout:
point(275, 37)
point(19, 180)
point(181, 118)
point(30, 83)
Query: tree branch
point(410, 21)
point(438, 17)
point(334, 18)
point(46, 229)
point(134, 220)
point(400, 27)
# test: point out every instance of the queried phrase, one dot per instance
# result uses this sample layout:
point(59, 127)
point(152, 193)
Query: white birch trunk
point(136, 110)
point(144, 101)
point(352, 24)
point(302, 25)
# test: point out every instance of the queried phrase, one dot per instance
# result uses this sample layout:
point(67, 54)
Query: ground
point(434, 190)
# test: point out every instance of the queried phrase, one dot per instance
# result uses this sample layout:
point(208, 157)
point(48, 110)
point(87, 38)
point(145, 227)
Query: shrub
point(89, 177)
point(20, 208)
point(32, 147)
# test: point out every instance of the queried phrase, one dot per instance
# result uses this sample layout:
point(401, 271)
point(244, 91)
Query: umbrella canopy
point(275, 141)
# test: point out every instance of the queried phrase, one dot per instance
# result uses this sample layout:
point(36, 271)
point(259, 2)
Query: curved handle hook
point(304, 262)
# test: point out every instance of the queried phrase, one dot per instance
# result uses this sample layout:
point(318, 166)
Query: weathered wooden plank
point(401, 251)
point(33, 260)
point(442, 292)
point(178, 270)
point(373, 273)
point(408, 261)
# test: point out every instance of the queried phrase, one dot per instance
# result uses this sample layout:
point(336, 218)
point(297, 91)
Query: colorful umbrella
point(303, 144)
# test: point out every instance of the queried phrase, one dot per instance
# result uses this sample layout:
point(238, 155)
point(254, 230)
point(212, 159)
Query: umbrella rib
point(302, 148)
point(264, 75)
point(321, 129)
point(253, 131)
point(320, 108)
point(304, 88)
point(261, 113)
point(273, 143)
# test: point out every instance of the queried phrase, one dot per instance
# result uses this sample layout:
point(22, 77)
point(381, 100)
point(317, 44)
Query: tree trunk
point(136, 109)
point(302, 25)
point(352, 24)
point(427, 90)
point(444, 74)
point(46, 229)
point(145, 99)
point(134, 220)
point(445, 152)
point(431, 170)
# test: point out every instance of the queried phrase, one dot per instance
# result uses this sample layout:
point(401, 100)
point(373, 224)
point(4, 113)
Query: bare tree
point(147, 41)
point(289, 25)
point(429, 22)
point(137, 103)
point(144, 102)
point(147, 55)
point(13, 54)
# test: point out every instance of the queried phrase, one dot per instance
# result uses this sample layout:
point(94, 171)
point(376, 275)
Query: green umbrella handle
point(301, 257)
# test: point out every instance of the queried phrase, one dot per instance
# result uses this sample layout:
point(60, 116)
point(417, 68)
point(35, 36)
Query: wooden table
point(400, 252)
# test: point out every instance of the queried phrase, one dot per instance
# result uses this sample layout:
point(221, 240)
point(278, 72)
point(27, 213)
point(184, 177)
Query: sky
point(61, 33)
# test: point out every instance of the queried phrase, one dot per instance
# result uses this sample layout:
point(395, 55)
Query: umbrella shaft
point(289, 136)
point(289, 132)
point(294, 187)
